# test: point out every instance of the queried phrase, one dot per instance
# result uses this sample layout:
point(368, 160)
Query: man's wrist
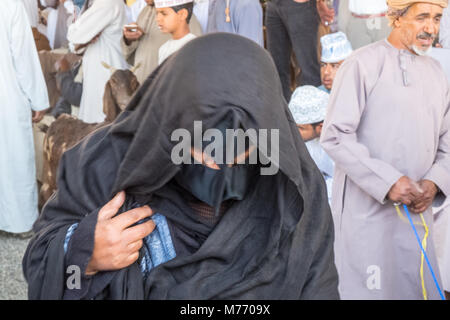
point(435, 186)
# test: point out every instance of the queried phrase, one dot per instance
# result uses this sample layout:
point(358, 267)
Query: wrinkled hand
point(326, 14)
point(405, 191)
point(131, 36)
point(37, 116)
point(422, 203)
point(117, 244)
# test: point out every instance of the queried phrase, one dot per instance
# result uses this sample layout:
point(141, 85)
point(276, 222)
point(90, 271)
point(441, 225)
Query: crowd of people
point(356, 91)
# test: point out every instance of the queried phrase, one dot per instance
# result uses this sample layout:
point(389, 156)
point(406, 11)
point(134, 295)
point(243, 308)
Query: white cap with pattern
point(335, 47)
point(170, 3)
point(308, 105)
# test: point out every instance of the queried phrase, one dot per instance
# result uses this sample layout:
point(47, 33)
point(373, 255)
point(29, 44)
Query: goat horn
point(134, 68)
point(107, 66)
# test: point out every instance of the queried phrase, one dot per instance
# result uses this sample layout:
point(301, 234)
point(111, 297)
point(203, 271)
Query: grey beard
point(420, 52)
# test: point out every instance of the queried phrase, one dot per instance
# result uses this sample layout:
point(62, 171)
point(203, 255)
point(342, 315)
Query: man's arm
point(436, 182)
point(439, 173)
point(91, 23)
point(326, 14)
point(130, 42)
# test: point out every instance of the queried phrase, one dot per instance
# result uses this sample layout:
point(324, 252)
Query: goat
point(67, 131)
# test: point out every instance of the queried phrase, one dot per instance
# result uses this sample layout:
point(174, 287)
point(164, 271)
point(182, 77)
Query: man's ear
point(183, 14)
point(318, 129)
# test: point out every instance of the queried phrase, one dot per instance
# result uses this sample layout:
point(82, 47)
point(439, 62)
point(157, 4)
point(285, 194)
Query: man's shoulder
point(370, 58)
point(370, 51)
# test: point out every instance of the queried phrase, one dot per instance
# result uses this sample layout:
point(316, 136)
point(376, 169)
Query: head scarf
point(276, 243)
point(398, 5)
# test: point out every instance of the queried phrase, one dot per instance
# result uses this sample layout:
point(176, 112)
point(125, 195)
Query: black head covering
point(277, 243)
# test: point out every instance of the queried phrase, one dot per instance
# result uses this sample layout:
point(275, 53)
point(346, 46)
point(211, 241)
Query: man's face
point(420, 26)
point(168, 20)
point(309, 132)
point(150, 2)
point(328, 73)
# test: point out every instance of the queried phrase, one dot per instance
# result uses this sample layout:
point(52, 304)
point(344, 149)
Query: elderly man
point(388, 131)
point(22, 90)
point(140, 46)
point(98, 30)
point(335, 49)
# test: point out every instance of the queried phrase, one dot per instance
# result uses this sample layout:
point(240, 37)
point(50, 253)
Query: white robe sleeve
point(26, 61)
point(339, 135)
point(92, 22)
point(440, 171)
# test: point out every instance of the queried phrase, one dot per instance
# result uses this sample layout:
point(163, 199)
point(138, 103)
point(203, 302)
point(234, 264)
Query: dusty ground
point(12, 282)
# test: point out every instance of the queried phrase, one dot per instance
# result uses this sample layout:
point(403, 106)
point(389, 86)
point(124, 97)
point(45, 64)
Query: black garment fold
point(277, 243)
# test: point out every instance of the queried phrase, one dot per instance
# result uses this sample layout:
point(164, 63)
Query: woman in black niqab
point(276, 243)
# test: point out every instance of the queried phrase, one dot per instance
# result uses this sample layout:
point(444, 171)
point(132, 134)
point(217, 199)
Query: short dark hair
point(316, 124)
point(188, 6)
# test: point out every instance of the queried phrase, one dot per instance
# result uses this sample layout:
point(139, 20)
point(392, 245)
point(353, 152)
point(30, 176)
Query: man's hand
point(93, 40)
point(421, 204)
point(405, 191)
point(326, 14)
point(131, 36)
point(117, 244)
point(37, 116)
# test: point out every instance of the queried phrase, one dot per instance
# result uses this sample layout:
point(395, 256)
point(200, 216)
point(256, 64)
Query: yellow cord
point(424, 245)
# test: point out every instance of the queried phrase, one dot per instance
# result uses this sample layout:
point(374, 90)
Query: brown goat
point(67, 131)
